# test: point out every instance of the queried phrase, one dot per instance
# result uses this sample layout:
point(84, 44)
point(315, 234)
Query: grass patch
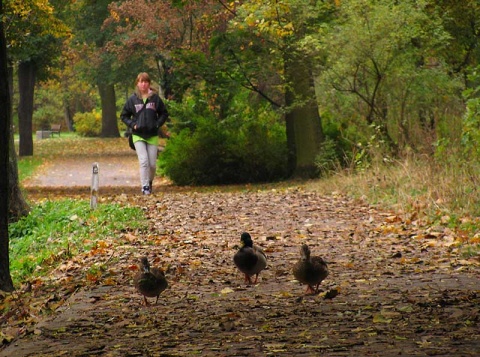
point(437, 194)
point(60, 229)
point(27, 166)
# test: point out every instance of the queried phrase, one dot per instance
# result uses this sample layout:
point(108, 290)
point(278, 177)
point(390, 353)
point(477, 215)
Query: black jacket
point(148, 116)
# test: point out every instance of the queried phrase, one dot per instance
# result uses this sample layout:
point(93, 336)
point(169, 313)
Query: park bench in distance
point(55, 129)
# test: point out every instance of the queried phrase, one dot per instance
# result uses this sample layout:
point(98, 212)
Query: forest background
point(376, 98)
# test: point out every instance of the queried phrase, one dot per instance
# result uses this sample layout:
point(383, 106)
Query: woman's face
point(143, 86)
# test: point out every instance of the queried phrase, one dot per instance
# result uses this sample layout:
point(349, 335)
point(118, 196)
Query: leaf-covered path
point(118, 168)
point(403, 288)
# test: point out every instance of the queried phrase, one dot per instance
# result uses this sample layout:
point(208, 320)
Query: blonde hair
point(143, 76)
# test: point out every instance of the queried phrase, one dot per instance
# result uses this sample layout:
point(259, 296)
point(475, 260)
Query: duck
point(310, 270)
point(250, 259)
point(150, 282)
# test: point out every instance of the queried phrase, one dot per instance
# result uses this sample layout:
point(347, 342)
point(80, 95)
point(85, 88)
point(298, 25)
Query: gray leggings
point(147, 158)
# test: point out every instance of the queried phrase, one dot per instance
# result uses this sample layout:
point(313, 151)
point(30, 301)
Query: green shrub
point(328, 160)
point(262, 149)
point(246, 147)
point(88, 124)
point(200, 157)
point(341, 147)
point(471, 129)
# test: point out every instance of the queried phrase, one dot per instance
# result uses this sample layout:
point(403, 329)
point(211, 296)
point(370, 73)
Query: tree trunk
point(109, 111)
point(67, 114)
point(26, 86)
point(17, 206)
point(6, 283)
point(303, 122)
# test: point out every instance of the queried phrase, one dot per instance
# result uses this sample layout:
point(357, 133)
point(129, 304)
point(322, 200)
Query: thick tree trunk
point(109, 111)
point(303, 122)
point(6, 283)
point(26, 86)
point(17, 206)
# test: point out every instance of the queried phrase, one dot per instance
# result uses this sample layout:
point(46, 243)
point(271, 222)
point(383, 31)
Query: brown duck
point(250, 259)
point(310, 270)
point(150, 282)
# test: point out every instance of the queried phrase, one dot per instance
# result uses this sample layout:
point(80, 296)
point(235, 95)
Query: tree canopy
point(34, 33)
point(379, 74)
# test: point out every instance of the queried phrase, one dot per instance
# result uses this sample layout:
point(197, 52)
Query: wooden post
point(94, 189)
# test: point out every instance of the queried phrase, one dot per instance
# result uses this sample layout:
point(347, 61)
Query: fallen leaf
point(379, 318)
point(227, 291)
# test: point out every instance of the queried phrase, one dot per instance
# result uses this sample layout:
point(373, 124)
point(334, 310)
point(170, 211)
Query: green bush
point(337, 152)
point(246, 147)
point(88, 124)
point(328, 160)
point(471, 129)
point(464, 150)
point(198, 157)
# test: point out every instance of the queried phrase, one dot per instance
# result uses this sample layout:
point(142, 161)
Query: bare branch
point(227, 8)
point(250, 85)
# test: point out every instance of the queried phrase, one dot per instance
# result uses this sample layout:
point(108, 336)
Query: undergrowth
point(56, 230)
point(419, 189)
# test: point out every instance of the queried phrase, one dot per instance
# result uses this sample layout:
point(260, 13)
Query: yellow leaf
point(380, 319)
point(109, 281)
point(283, 294)
point(6, 338)
point(148, 334)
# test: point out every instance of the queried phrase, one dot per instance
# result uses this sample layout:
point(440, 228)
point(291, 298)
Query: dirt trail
point(73, 176)
point(120, 170)
point(404, 289)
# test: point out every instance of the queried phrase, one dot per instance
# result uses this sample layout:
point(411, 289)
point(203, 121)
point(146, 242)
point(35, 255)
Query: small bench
point(55, 129)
